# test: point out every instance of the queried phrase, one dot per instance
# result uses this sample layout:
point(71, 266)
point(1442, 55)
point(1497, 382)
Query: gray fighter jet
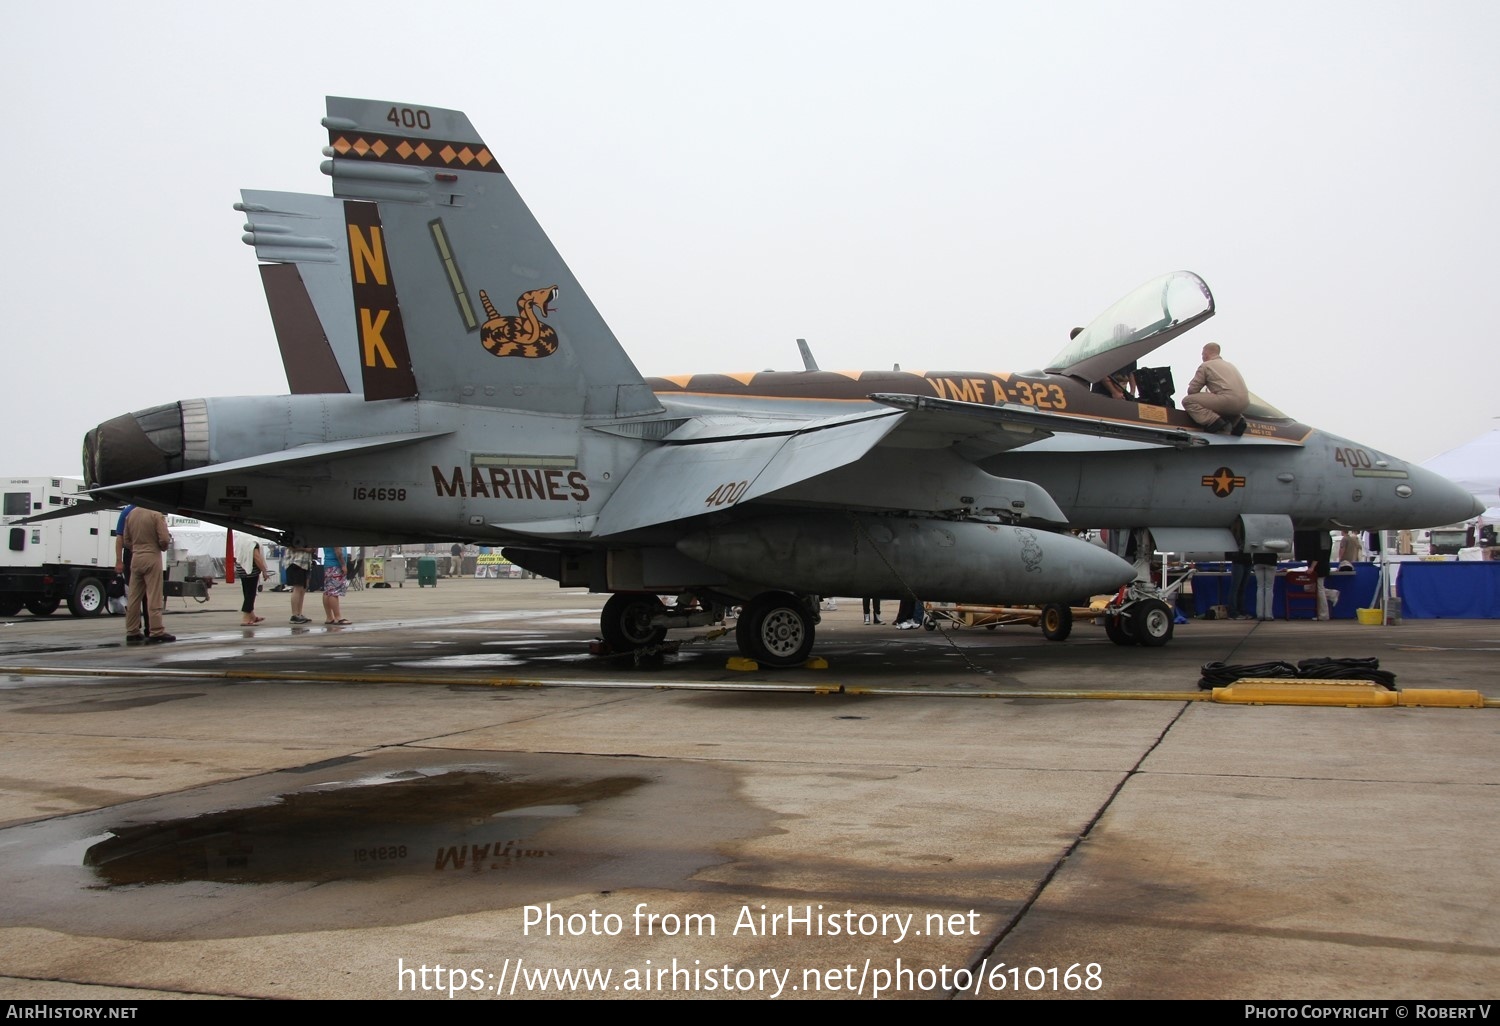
point(451, 380)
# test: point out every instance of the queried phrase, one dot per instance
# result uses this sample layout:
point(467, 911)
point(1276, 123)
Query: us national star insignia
point(1223, 481)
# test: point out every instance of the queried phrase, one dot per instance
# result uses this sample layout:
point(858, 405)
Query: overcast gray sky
point(945, 185)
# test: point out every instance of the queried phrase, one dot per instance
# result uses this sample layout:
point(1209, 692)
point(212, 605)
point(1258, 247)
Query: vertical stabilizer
point(451, 276)
point(306, 278)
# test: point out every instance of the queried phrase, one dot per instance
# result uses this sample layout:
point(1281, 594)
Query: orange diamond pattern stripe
point(396, 149)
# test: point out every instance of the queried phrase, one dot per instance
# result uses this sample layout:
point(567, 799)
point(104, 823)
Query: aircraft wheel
point(89, 598)
point(43, 607)
point(776, 630)
point(742, 634)
point(1057, 621)
point(626, 621)
point(1151, 622)
point(1117, 626)
point(9, 605)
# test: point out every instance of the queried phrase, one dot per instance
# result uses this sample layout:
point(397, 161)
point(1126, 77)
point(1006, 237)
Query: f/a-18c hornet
point(451, 380)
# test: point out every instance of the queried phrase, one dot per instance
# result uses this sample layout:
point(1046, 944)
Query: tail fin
point(429, 276)
point(306, 278)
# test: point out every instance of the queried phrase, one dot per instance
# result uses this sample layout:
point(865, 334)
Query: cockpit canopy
point(1141, 322)
point(1145, 319)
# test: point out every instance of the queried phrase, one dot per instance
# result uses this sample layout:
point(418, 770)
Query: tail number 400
point(727, 494)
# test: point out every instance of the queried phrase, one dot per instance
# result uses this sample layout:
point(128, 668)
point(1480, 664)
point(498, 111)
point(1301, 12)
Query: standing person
point(868, 603)
point(457, 559)
point(1239, 573)
point(147, 537)
point(335, 585)
point(298, 569)
point(908, 613)
point(1217, 396)
point(1316, 549)
point(1351, 550)
point(1263, 562)
point(250, 564)
point(122, 557)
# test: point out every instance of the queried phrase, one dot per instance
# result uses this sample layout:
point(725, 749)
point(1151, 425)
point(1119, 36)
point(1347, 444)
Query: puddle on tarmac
point(393, 838)
point(459, 662)
point(465, 819)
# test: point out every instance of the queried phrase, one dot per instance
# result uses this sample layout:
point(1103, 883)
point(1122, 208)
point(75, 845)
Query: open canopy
point(1148, 317)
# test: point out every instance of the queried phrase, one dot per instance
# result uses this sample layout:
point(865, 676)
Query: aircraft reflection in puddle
point(466, 819)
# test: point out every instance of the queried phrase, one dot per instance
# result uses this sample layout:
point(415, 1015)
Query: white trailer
point(71, 559)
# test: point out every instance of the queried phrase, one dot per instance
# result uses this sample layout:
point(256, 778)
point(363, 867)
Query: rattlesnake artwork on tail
point(525, 334)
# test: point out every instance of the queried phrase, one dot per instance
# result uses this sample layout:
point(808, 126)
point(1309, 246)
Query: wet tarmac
point(453, 781)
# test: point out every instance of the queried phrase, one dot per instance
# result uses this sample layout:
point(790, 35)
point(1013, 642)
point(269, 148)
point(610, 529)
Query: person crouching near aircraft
point(1217, 396)
point(335, 585)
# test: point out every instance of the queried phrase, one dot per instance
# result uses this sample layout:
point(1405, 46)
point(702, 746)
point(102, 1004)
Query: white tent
point(203, 545)
point(1476, 466)
point(192, 539)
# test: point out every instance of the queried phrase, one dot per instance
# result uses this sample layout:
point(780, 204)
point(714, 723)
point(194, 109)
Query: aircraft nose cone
point(1441, 501)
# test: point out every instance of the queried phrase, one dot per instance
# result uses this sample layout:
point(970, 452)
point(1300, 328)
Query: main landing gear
point(626, 622)
point(775, 628)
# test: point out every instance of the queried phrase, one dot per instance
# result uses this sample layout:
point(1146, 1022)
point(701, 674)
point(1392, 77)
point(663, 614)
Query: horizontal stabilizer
point(321, 451)
point(76, 509)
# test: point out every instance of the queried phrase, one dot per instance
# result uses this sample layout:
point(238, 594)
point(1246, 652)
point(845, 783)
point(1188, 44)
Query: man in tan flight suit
point(147, 537)
point(1217, 396)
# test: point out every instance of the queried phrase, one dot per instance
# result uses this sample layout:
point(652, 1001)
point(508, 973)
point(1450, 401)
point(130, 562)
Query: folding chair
point(1301, 589)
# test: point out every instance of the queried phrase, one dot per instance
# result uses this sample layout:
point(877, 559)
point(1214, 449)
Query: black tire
point(930, 624)
point(625, 623)
point(1117, 627)
point(89, 597)
point(742, 633)
point(1057, 621)
point(43, 607)
point(1151, 622)
point(776, 630)
point(9, 605)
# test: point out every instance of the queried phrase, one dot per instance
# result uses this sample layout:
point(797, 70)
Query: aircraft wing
point(707, 467)
point(321, 451)
point(1007, 426)
point(87, 506)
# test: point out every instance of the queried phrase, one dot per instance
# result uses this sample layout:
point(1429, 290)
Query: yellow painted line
point(1250, 691)
point(1108, 696)
point(444, 679)
point(294, 676)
